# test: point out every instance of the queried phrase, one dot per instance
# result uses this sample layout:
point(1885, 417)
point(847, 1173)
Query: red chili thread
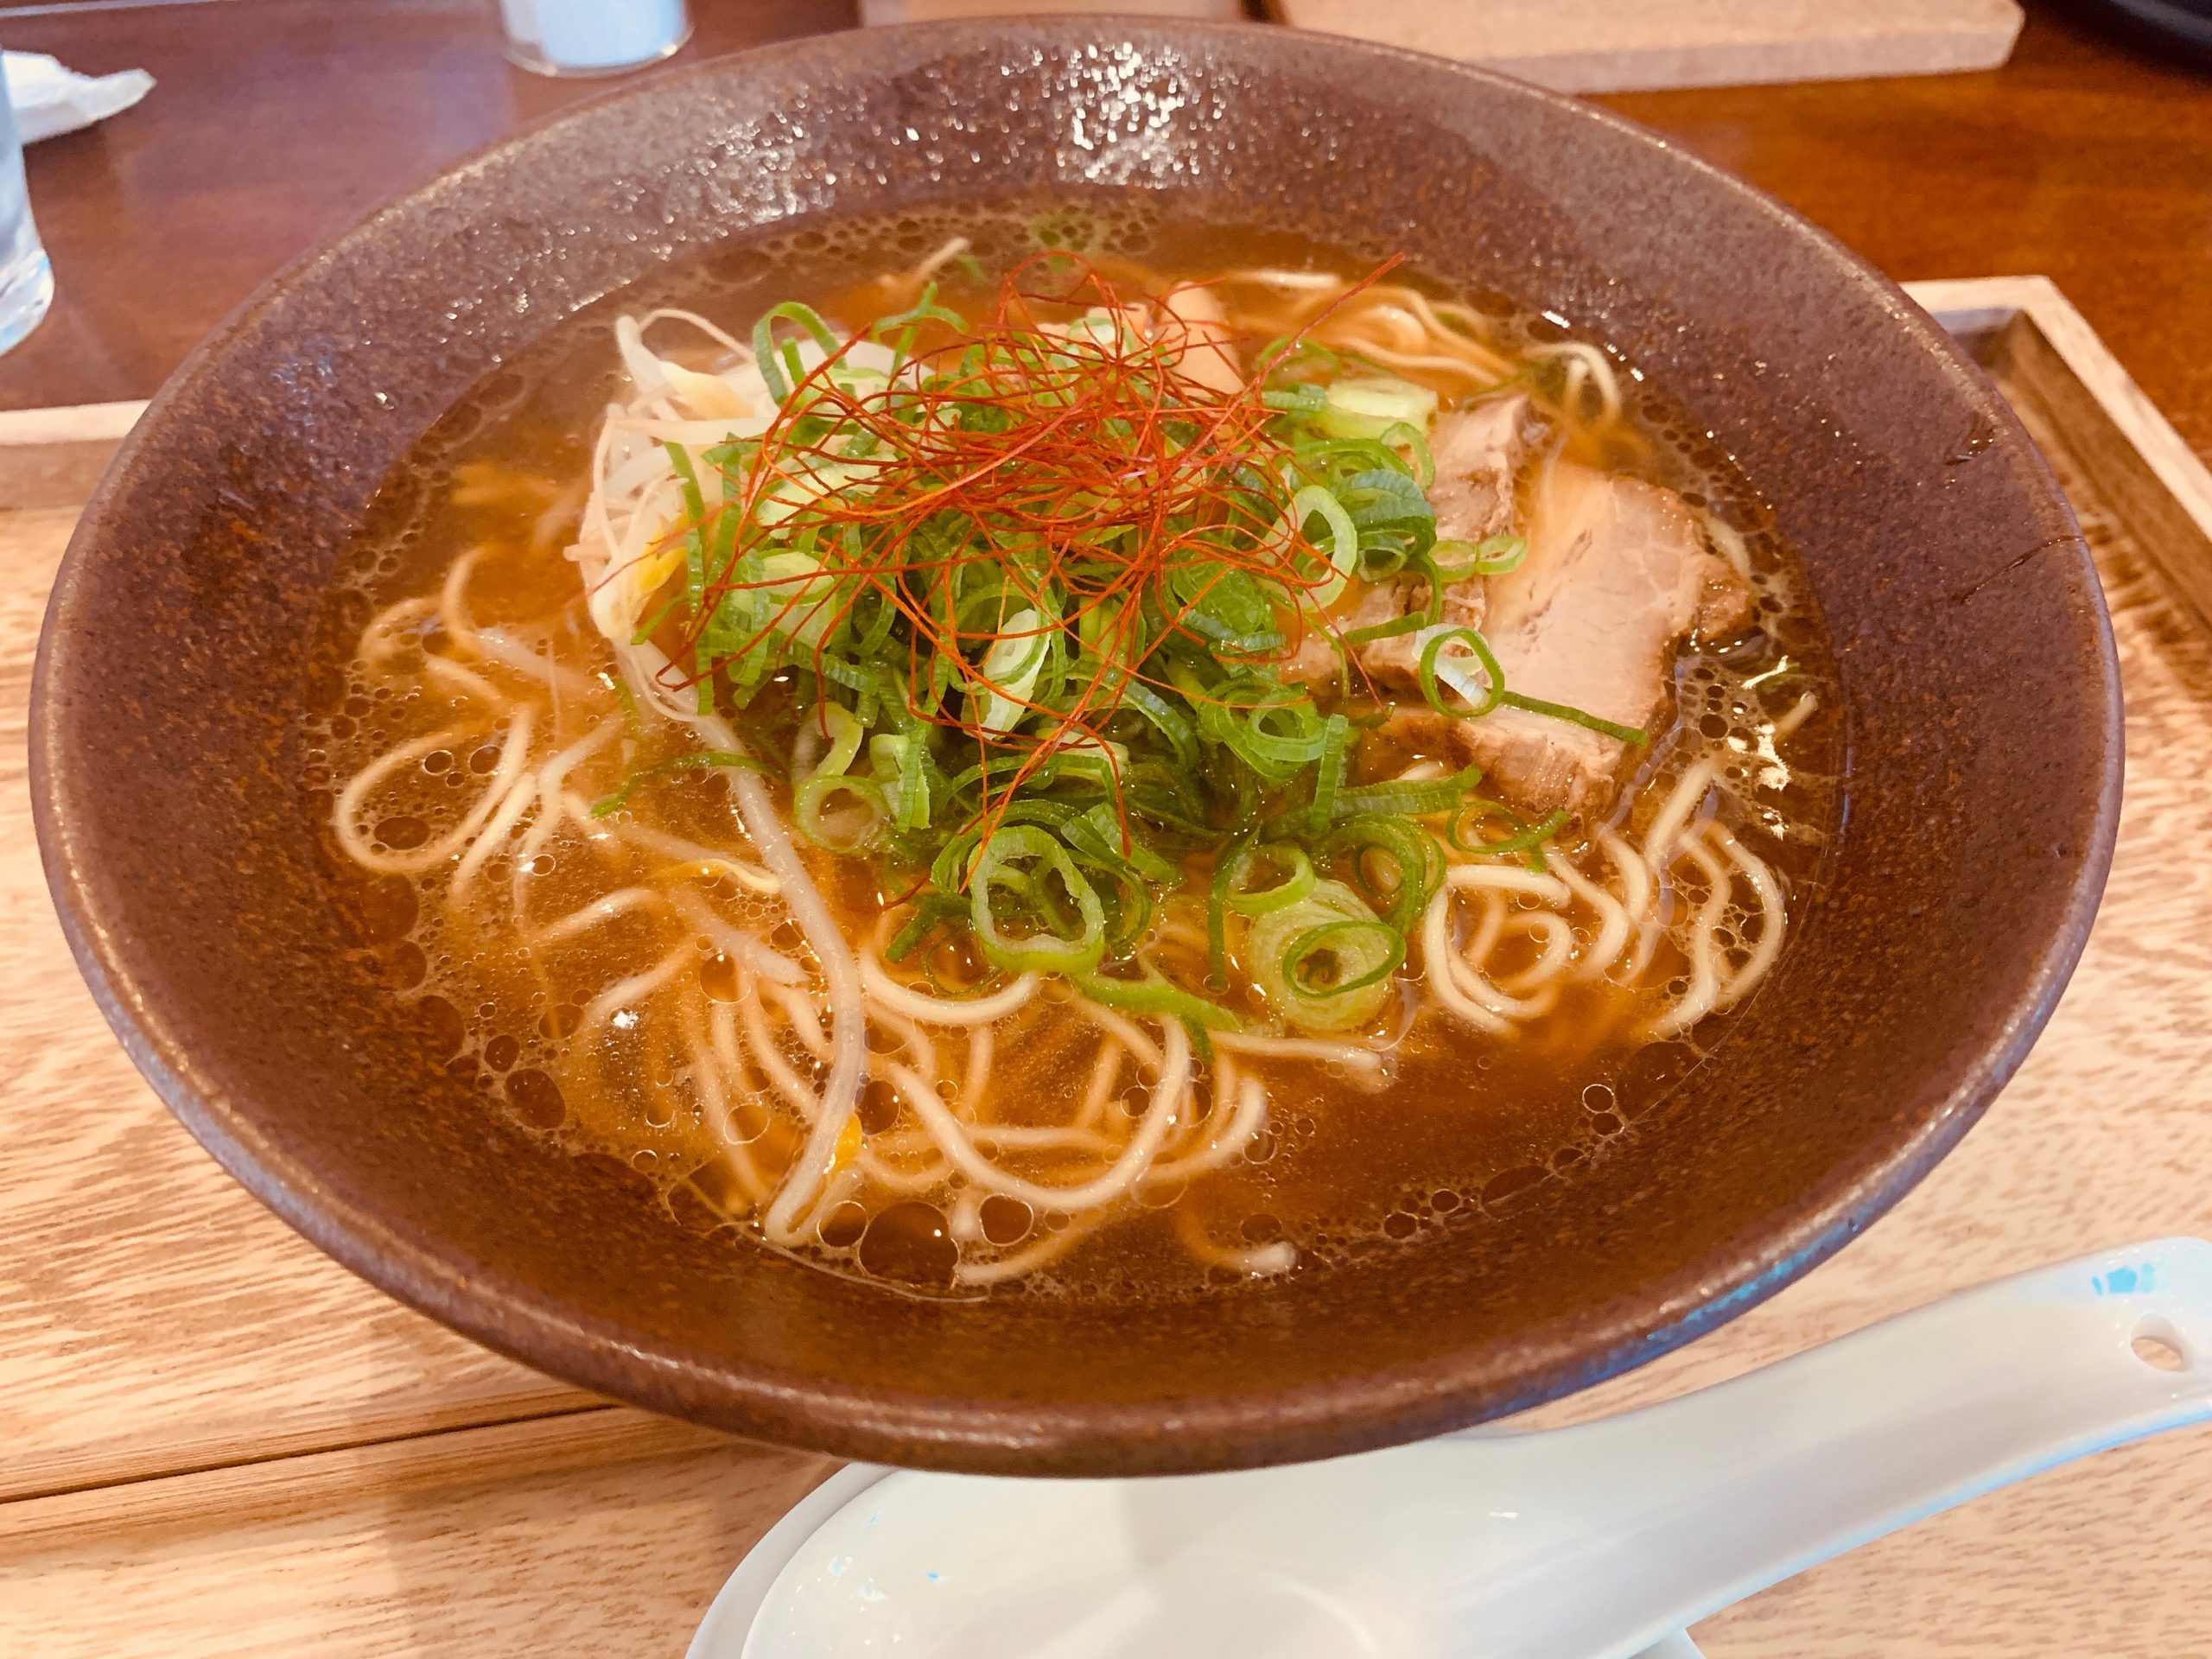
point(1077, 449)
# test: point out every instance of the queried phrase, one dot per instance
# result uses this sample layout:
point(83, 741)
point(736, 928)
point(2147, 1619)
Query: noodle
point(644, 875)
point(977, 1011)
point(955, 1141)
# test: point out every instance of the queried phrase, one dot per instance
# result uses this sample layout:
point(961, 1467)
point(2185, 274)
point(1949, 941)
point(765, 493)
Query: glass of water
point(593, 37)
point(26, 279)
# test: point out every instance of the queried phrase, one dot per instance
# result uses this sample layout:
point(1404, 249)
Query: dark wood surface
point(276, 122)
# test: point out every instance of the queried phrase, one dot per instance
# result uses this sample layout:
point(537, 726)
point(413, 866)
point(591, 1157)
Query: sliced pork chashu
point(1315, 660)
point(1479, 453)
point(1617, 576)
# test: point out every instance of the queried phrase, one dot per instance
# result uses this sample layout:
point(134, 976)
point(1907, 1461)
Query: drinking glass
point(592, 37)
point(26, 278)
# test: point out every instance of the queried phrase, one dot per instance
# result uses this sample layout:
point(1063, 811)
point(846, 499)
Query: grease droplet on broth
point(537, 1098)
point(910, 1244)
point(1005, 1220)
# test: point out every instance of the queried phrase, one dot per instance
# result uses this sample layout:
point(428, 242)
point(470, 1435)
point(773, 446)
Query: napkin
point(48, 98)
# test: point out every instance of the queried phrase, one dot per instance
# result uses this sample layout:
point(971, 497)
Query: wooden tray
point(1614, 46)
point(214, 1441)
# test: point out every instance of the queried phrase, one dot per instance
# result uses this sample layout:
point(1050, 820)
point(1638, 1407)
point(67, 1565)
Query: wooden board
point(1607, 46)
point(2077, 399)
point(544, 1538)
point(923, 11)
point(153, 1317)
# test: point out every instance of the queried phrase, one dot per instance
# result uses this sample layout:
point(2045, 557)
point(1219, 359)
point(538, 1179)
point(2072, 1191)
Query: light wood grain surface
point(929, 11)
point(605, 1536)
point(1602, 46)
point(153, 1318)
point(2076, 395)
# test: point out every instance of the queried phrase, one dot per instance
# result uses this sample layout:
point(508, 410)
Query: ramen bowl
point(1980, 709)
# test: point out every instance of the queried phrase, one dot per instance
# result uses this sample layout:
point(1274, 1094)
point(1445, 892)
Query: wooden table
point(278, 122)
point(304, 1468)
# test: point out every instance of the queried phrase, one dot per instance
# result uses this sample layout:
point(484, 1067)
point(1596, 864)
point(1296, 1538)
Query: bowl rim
point(1323, 1418)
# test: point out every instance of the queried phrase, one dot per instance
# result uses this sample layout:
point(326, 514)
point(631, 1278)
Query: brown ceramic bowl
point(1982, 709)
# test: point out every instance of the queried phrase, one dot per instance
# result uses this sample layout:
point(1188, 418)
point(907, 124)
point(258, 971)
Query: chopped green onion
point(634, 727)
point(702, 761)
point(1129, 910)
point(1634, 736)
point(931, 911)
point(779, 362)
point(1410, 798)
point(1495, 692)
point(1368, 409)
point(1525, 838)
point(1296, 884)
point(1226, 870)
point(687, 480)
point(1038, 742)
point(1333, 919)
point(1494, 680)
point(1303, 400)
point(1494, 556)
point(1385, 959)
point(1329, 776)
point(1403, 434)
point(998, 876)
point(1413, 855)
point(1011, 667)
point(811, 805)
point(845, 734)
point(1316, 502)
point(1155, 994)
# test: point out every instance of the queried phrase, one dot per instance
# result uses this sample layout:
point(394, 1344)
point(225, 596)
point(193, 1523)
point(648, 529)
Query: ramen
point(1109, 769)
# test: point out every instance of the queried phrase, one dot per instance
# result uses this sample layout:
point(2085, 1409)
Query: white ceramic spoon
point(1596, 1541)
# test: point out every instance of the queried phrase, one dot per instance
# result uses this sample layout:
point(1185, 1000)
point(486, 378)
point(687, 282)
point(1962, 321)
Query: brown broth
point(1467, 1120)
